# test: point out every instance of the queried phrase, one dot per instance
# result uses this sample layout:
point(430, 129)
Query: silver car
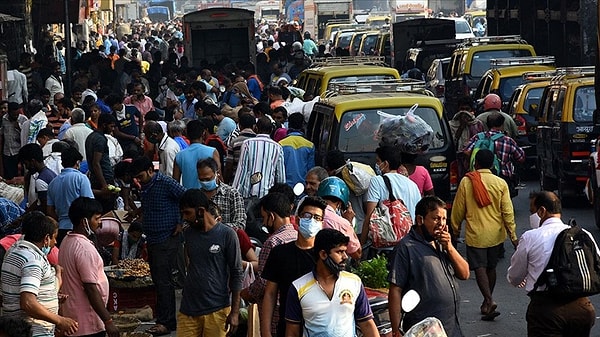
point(434, 80)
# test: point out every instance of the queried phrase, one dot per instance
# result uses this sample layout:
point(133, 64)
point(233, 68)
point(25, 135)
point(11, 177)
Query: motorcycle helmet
point(334, 187)
point(492, 101)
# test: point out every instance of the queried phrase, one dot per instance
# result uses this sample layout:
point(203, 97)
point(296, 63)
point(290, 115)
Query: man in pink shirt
point(142, 102)
point(336, 194)
point(83, 273)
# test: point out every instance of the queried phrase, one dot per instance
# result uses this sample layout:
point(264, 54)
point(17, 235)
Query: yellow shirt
point(486, 227)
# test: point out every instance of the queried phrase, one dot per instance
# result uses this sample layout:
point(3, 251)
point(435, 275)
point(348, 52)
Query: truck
point(317, 13)
point(402, 10)
point(160, 10)
point(563, 28)
point(219, 36)
point(267, 10)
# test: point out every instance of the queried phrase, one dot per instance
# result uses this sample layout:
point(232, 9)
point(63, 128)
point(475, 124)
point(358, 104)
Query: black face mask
point(334, 268)
point(428, 237)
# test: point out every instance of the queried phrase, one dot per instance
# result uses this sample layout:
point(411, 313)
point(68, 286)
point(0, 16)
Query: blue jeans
point(161, 257)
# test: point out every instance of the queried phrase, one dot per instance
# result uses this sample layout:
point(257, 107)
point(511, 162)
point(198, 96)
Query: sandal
point(158, 330)
point(490, 316)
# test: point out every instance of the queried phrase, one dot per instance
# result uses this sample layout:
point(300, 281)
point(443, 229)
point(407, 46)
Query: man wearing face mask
point(328, 301)
point(84, 278)
point(426, 261)
point(336, 194)
point(287, 262)
point(547, 315)
point(275, 211)
point(228, 199)
point(29, 282)
point(209, 308)
point(166, 146)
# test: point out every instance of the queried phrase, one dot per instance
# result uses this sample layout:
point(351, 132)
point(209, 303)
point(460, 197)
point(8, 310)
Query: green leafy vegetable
point(373, 272)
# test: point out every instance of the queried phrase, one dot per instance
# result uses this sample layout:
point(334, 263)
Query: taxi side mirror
point(533, 110)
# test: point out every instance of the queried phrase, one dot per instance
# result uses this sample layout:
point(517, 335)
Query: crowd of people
point(200, 170)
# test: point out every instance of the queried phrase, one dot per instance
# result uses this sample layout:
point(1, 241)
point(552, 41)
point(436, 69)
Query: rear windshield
point(344, 40)
point(507, 86)
point(585, 104)
point(462, 27)
point(481, 60)
point(357, 78)
point(358, 128)
point(369, 43)
point(533, 97)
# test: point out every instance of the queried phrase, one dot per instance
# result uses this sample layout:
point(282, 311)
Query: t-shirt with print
point(126, 123)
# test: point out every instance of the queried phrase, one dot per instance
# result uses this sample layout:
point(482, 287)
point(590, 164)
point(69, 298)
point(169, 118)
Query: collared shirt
point(189, 111)
point(235, 145)
point(231, 204)
point(16, 86)
point(299, 157)
point(505, 148)
point(225, 128)
point(309, 305)
point(284, 234)
point(9, 211)
point(167, 150)
point(332, 220)
point(82, 264)
point(144, 105)
point(259, 157)
point(160, 207)
point(69, 185)
point(79, 133)
point(418, 265)
point(533, 253)
point(11, 130)
point(486, 226)
point(26, 269)
point(55, 85)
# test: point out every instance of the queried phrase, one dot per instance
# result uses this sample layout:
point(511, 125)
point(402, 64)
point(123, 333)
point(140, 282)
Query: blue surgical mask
point(309, 228)
point(209, 185)
point(46, 250)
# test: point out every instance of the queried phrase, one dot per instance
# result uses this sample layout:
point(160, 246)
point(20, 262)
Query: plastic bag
point(248, 276)
point(410, 132)
point(357, 176)
point(429, 327)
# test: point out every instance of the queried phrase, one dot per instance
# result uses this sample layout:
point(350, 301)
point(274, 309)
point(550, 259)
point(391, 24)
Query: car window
point(507, 86)
point(357, 78)
point(533, 96)
point(514, 101)
point(462, 27)
point(558, 100)
point(585, 104)
point(358, 128)
point(369, 43)
point(344, 41)
point(481, 60)
point(312, 86)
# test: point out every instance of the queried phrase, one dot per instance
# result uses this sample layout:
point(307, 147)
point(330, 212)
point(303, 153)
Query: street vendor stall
point(130, 286)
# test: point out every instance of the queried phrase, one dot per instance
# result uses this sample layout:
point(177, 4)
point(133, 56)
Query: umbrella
point(8, 18)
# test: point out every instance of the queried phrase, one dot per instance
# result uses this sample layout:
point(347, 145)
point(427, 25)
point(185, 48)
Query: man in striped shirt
point(30, 283)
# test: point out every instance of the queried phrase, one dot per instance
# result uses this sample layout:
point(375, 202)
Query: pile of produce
point(134, 268)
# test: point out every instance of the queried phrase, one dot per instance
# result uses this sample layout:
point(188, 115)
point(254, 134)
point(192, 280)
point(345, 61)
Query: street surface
point(512, 302)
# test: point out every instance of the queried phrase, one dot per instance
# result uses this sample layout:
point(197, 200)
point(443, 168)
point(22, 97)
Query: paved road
point(512, 302)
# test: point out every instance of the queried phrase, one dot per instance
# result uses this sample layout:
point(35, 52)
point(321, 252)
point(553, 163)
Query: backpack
point(357, 176)
point(485, 142)
point(390, 220)
point(573, 270)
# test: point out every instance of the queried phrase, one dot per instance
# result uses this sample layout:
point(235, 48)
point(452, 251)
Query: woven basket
point(126, 324)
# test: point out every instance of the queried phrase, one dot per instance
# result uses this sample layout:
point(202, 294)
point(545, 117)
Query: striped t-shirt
point(26, 269)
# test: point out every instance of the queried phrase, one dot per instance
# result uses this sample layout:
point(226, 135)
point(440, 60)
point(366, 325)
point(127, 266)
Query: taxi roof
point(513, 71)
point(353, 69)
point(381, 100)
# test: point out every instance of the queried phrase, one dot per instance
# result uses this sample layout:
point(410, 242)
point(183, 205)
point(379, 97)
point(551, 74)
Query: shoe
point(490, 316)
point(158, 330)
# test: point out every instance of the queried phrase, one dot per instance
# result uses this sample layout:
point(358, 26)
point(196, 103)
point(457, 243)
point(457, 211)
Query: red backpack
point(390, 220)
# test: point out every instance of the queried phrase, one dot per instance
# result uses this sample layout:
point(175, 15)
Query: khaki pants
point(210, 325)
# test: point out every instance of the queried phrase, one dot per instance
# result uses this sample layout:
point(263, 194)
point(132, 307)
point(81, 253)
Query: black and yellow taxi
point(471, 59)
point(505, 74)
point(565, 130)
point(326, 72)
point(348, 119)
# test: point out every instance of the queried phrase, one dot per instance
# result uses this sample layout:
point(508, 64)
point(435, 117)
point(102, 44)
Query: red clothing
point(7, 241)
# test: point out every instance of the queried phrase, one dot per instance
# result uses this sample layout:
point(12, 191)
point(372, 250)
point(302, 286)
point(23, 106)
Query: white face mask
point(534, 220)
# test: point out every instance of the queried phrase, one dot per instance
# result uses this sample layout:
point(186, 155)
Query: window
point(532, 97)
point(358, 128)
point(481, 60)
point(585, 104)
point(507, 86)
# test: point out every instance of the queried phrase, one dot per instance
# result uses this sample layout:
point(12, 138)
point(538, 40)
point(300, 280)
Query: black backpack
point(573, 270)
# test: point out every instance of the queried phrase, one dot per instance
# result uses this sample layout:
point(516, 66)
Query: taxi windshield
point(481, 60)
point(358, 128)
point(585, 104)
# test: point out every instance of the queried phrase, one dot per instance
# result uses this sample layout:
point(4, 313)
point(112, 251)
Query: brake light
point(580, 153)
point(521, 125)
point(453, 176)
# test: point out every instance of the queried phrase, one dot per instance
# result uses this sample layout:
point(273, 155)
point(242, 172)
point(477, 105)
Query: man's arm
point(95, 299)
point(368, 328)
point(369, 209)
point(268, 306)
point(517, 272)
point(394, 307)
point(31, 306)
point(508, 215)
point(239, 216)
point(217, 159)
point(176, 171)
point(292, 329)
point(458, 209)
point(96, 170)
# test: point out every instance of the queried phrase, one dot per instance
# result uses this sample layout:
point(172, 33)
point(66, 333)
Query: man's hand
point(67, 325)
point(232, 322)
point(178, 229)
point(442, 235)
point(349, 213)
point(515, 243)
point(111, 329)
point(245, 295)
